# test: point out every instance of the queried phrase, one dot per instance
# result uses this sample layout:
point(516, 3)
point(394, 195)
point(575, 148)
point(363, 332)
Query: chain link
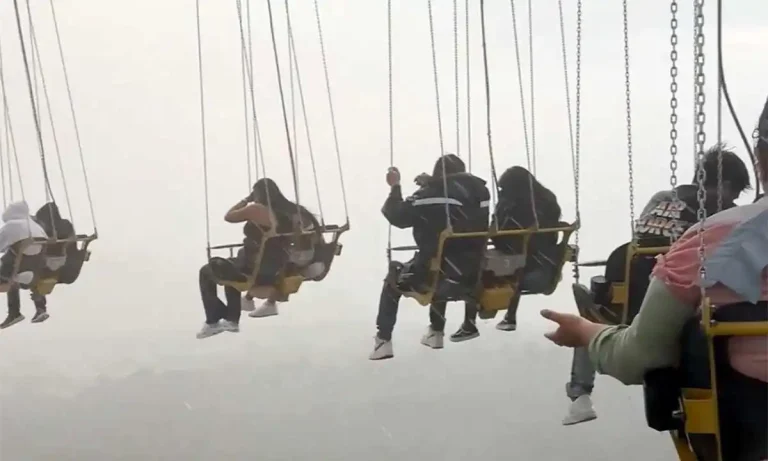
point(701, 136)
point(673, 104)
point(456, 74)
point(533, 92)
point(627, 91)
point(391, 116)
point(577, 132)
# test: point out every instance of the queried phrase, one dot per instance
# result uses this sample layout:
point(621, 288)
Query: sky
point(116, 373)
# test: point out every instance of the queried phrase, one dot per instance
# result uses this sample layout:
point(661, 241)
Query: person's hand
point(572, 330)
point(421, 180)
point(393, 176)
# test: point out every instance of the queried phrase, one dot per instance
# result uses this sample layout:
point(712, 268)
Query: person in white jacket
point(17, 227)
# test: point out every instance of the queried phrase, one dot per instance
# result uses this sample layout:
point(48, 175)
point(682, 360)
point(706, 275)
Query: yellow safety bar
point(287, 284)
point(425, 298)
point(620, 290)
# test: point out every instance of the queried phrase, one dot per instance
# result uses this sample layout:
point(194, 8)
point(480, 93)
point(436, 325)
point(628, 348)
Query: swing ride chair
point(687, 401)
point(498, 280)
point(289, 280)
point(45, 279)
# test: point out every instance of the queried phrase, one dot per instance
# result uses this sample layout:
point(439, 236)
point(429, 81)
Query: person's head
point(517, 182)
point(449, 163)
point(48, 211)
point(761, 146)
point(735, 178)
point(266, 192)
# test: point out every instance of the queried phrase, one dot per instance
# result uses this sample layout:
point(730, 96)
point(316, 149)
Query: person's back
point(517, 209)
point(49, 217)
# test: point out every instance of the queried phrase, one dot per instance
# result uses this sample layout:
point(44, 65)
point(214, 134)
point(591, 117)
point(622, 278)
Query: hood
point(49, 210)
point(16, 211)
point(472, 185)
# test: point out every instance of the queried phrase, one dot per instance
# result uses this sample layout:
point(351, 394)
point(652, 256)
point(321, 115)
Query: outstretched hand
point(572, 330)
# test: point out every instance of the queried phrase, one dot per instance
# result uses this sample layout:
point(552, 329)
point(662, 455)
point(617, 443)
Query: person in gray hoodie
point(18, 226)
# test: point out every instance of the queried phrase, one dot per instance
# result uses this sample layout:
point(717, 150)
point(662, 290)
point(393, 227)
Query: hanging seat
point(712, 412)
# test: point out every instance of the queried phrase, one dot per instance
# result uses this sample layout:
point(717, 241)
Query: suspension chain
point(627, 91)
point(391, 115)
point(701, 136)
point(456, 74)
point(673, 104)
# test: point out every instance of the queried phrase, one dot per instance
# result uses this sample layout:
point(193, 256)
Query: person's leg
point(14, 307)
point(579, 389)
point(231, 314)
point(509, 322)
point(468, 329)
point(387, 316)
point(433, 338)
point(41, 310)
point(214, 308)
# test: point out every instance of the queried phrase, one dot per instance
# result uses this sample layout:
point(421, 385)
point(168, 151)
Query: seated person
point(465, 201)
point(62, 260)
point(653, 339)
point(662, 220)
point(17, 227)
point(302, 253)
point(515, 210)
point(258, 218)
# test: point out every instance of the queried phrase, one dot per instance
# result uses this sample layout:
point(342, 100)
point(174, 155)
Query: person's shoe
point(11, 320)
point(382, 349)
point(267, 309)
point(209, 330)
point(246, 304)
point(466, 332)
point(433, 339)
point(230, 326)
point(580, 411)
point(507, 325)
point(40, 316)
point(586, 305)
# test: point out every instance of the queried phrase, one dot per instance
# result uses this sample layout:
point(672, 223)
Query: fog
point(117, 374)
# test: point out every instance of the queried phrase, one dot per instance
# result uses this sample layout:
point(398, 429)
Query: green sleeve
point(651, 341)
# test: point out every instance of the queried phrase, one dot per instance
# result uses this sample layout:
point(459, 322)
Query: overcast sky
point(133, 71)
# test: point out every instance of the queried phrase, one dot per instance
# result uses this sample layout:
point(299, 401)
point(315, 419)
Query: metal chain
point(627, 91)
point(391, 115)
point(573, 141)
point(701, 136)
point(673, 104)
point(719, 107)
point(533, 92)
point(469, 91)
point(456, 74)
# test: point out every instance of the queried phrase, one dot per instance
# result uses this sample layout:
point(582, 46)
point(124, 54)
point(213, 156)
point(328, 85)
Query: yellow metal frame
point(287, 284)
point(700, 406)
point(45, 285)
point(490, 298)
point(620, 290)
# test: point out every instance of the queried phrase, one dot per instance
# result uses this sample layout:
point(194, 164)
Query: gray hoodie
point(19, 225)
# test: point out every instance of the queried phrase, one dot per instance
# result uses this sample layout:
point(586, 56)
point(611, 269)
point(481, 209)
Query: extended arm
point(399, 212)
point(243, 211)
point(651, 341)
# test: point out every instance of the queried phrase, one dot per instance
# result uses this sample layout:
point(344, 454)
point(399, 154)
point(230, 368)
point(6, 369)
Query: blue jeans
point(582, 375)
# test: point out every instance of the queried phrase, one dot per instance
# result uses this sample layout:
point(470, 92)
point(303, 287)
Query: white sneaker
point(246, 304)
point(267, 309)
point(209, 330)
point(313, 270)
point(381, 350)
point(433, 339)
point(580, 411)
point(227, 325)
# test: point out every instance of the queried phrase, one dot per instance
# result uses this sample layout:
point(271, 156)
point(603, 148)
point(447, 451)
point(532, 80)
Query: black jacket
point(50, 220)
point(467, 201)
point(662, 220)
point(518, 214)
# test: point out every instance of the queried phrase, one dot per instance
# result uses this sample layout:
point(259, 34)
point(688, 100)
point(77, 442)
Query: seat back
point(501, 264)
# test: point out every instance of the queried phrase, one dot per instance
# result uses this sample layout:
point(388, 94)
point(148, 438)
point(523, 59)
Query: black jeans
point(216, 310)
point(29, 263)
point(405, 276)
point(437, 314)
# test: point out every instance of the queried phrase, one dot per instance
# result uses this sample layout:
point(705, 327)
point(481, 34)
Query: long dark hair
point(518, 182)
point(266, 192)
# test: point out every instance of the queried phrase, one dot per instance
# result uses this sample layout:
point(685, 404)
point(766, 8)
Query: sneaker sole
point(15, 321)
point(432, 346)
point(199, 336)
point(506, 327)
point(464, 338)
point(585, 420)
point(41, 319)
point(261, 316)
point(385, 357)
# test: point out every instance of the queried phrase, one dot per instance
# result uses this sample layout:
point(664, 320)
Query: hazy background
point(117, 373)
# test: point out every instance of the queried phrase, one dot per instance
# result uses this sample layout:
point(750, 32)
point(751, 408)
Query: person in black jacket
point(524, 203)
point(464, 203)
point(662, 221)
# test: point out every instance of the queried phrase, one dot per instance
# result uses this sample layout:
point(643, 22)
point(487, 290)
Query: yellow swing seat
point(687, 401)
point(45, 280)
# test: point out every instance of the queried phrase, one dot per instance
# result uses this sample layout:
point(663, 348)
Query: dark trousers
point(216, 310)
point(7, 262)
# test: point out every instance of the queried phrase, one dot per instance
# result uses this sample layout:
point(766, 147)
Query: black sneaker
point(507, 325)
point(11, 320)
point(466, 332)
point(40, 316)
